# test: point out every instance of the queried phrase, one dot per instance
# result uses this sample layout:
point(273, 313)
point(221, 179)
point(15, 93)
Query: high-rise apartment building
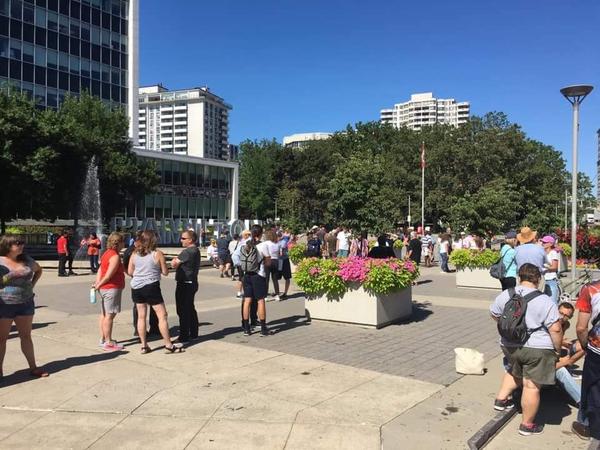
point(193, 122)
point(425, 109)
point(51, 48)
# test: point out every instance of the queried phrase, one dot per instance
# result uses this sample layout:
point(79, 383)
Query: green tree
point(44, 157)
point(257, 178)
point(19, 143)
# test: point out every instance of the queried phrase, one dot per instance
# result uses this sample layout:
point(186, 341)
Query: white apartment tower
point(192, 122)
point(424, 109)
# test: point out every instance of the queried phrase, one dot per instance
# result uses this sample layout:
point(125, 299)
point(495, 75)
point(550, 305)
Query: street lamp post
point(575, 95)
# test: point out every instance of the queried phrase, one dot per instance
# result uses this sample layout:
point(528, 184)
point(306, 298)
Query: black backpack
point(249, 261)
point(498, 269)
point(511, 324)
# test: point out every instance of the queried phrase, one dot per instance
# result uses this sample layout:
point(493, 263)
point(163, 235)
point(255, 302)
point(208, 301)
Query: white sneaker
point(239, 294)
point(276, 298)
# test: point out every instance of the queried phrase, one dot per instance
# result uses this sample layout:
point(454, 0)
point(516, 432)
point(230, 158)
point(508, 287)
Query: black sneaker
point(264, 331)
point(247, 331)
point(528, 430)
point(581, 431)
point(501, 405)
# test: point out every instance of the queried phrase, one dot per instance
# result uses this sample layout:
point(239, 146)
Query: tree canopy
point(44, 156)
point(484, 176)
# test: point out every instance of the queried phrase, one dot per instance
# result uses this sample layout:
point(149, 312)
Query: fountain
point(90, 211)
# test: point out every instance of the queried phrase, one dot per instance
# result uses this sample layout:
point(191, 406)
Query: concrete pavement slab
point(327, 437)
point(13, 420)
point(62, 430)
point(139, 382)
point(374, 402)
point(258, 407)
point(318, 384)
point(225, 434)
point(137, 432)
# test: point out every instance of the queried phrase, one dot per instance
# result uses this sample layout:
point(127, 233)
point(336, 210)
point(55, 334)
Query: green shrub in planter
point(333, 277)
point(565, 248)
point(473, 259)
point(398, 244)
point(297, 253)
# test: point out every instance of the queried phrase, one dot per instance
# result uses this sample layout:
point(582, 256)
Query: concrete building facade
point(300, 140)
point(424, 109)
point(193, 122)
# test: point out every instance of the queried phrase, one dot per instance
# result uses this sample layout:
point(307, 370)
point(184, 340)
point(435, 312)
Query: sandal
point(145, 350)
point(38, 373)
point(175, 348)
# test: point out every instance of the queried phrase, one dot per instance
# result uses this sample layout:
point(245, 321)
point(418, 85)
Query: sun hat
point(548, 240)
point(526, 235)
point(510, 234)
point(314, 227)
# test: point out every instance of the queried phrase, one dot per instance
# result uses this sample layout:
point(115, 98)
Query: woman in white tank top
point(146, 266)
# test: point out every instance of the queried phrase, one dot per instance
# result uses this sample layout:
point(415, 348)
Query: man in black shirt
point(382, 250)
point(187, 265)
point(414, 248)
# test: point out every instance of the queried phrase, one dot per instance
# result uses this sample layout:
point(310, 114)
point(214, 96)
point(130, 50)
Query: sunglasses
point(184, 239)
point(19, 243)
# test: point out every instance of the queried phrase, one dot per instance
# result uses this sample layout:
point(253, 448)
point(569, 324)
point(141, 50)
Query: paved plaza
point(308, 385)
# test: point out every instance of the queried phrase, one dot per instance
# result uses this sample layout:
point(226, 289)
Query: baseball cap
point(548, 240)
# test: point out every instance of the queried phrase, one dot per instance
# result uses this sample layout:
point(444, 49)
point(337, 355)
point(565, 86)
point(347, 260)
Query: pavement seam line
point(108, 431)
point(325, 400)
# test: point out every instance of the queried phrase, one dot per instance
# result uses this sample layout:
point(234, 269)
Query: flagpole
point(423, 188)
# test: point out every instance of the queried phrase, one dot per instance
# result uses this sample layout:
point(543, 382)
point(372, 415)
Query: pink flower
point(314, 271)
point(409, 265)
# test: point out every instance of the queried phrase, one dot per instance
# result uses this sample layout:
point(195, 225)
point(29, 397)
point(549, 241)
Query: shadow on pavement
point(420, 312)
point(22, 376)
point(554, 406)
point(13, 329)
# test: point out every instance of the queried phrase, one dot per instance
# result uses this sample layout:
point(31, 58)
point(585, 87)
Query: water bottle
point(92, 295)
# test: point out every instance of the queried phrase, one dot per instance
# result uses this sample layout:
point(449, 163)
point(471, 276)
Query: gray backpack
point(249, 260)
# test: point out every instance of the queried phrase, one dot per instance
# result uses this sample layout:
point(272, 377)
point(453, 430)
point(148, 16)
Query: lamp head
point(576, 94)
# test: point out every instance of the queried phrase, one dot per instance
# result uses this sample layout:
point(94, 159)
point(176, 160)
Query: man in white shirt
point(342, 245)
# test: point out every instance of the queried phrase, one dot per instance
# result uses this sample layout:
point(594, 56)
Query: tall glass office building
point(51, 48)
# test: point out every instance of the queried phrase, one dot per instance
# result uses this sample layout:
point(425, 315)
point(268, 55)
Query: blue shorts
point(17, 310)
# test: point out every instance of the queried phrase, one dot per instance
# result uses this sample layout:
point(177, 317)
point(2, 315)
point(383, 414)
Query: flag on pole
point(422, 155)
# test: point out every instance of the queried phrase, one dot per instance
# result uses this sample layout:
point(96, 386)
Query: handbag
point(497, 270)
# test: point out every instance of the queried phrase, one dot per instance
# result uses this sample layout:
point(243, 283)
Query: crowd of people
point(535, 355)
point(532, 323)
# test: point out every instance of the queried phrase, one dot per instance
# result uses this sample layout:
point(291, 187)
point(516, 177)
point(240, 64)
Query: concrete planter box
point(476, 278)
point(359, 307)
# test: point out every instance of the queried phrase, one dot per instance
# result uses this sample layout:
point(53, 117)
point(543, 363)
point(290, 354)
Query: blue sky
point(292, 66)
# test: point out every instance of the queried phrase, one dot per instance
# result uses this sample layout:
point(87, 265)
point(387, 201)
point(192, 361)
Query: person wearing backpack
point(531, 339)
point(508, 255)
point(254, 256)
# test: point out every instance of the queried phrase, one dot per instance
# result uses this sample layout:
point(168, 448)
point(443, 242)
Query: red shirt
point(584, 300)
point(61, 245)
point(93, 247)
point(117, 281)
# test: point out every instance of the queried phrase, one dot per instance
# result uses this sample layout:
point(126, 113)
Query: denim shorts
point(17, 310)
